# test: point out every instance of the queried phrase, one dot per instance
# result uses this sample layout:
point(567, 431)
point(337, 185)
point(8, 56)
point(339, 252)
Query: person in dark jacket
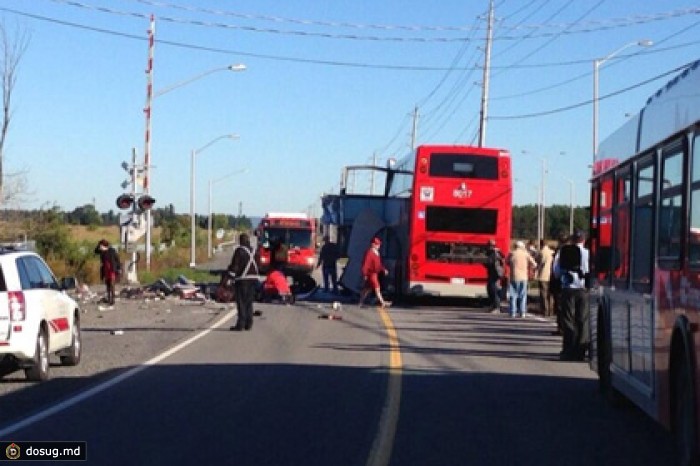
point(245, 274)
point(495, 267)
point(328, 261)
point(110, 268)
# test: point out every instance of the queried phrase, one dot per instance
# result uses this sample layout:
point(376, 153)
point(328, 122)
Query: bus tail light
point(423, 164)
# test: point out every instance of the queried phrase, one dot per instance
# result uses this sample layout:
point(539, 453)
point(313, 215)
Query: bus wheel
point(684, 422)
point(604, 359)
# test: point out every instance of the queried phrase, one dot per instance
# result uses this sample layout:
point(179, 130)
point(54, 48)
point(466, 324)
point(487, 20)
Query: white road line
point(82, 396)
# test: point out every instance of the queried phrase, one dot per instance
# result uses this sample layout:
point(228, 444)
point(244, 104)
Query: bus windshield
point(294, 237)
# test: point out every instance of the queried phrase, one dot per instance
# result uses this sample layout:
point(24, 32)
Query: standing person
point(544, 272)
point(371, 268)
point(571, 267)
point(328, 261)
point(520, 262)
point(495, 267)
point(110, 268)
point(279, 254)
point(245, 273)
point(555, 285)
point(535, 254)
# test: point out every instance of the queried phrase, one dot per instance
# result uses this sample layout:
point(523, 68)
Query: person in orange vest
point(371, 268)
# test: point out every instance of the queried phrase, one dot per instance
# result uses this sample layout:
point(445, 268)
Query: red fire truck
point(287, 241)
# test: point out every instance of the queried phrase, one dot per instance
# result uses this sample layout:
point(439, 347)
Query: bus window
point(621, 216)
point(694, 229)
point(643, 227)
point(463, 166)
point(671, 213)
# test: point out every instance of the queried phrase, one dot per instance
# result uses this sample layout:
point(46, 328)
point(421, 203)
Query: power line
point(587, 102)
point(654, 50)
point(239, 27)
point(603, 24)
point(585, 28)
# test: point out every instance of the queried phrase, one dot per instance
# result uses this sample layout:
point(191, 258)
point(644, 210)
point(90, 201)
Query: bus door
point(632, 304)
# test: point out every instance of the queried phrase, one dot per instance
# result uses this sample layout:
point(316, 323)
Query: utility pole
point(147, 149)
point(371, 174)
point(414, 132)
point(487, 72)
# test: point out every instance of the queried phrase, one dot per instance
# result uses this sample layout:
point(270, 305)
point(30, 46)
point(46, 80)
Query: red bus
point(438, 208)
point(645, 245)
point(295, 235)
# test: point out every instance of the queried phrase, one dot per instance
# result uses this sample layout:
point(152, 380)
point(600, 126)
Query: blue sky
point(325, 86)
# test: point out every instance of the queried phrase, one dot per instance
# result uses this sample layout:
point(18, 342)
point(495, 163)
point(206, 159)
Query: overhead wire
point(521, 22)
point(589, 101)
point(616, 62)
point(596, 26)
point(555, 37)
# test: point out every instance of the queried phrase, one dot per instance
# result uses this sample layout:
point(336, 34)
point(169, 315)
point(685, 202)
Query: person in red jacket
point(110, 268)
point(371, 268)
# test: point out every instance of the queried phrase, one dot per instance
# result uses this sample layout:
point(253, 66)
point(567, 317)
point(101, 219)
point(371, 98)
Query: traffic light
point(145, 202)
point(125, 201)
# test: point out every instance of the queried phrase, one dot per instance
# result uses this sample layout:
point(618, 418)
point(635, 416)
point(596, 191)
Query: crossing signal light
point(125, 201)
point(145, 202)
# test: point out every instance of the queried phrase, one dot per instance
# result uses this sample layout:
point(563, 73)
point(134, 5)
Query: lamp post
point(193, 260)
point(147, 168)
point(234, 67)
point(209, 221)
point(596, 67)
point(541, 200)
point(571, 204)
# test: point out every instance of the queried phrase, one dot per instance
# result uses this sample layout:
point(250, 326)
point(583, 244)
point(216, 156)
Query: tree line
point(556, 223)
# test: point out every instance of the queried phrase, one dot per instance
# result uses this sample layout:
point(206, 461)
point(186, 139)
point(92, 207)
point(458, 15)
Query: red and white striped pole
point(147, 148)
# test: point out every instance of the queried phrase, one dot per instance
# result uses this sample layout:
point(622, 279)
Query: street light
point(541, 200)
point(193, 260)
point(234, 67)
point(209, 222)
point(597, 63)
point(147, 169)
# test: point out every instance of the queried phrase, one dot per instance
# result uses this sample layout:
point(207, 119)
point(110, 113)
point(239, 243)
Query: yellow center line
point(380, 454)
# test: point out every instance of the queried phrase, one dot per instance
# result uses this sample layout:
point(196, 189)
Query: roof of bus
point(463, 148)
point(674, 107)
point(296, 215)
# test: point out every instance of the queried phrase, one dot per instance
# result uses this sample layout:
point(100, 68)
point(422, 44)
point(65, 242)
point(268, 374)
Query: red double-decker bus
point(645, 245)
point(437, 210)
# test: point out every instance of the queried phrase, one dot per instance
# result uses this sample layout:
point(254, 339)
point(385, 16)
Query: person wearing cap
point(371, 268)
point(328, 261)
point(571, 270)
point(110, 268)
point(495, 269)
point(520, 262)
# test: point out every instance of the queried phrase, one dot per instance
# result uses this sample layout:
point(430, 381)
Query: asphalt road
point(455, 387)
